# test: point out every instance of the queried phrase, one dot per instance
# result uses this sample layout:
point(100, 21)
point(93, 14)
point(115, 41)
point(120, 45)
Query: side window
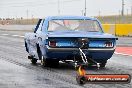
point(38, 25)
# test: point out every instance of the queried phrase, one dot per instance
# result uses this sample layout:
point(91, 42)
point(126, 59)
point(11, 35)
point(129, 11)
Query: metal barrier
point(118, 29)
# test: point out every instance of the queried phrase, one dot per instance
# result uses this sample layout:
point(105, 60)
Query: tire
point(49, 62)
point(54, 63)
point(33, 61)
point(44, 62)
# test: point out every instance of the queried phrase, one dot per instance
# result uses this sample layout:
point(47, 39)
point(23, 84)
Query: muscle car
point(74, 38)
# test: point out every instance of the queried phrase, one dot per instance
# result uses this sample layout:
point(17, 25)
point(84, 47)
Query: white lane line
point(15, 35)
point(4, 34)
point(21, 36)
point(123, 54)
point(18, 36)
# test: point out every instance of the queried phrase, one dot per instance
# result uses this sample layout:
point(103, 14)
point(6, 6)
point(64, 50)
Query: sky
point(43, 8)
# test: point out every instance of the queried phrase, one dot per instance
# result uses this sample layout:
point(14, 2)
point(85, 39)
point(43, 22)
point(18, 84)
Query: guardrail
point(118, 29)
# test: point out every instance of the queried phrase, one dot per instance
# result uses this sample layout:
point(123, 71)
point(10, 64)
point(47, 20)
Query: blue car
point(76, 39)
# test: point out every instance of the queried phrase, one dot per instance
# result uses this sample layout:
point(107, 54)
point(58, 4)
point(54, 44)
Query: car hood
point(80, 34)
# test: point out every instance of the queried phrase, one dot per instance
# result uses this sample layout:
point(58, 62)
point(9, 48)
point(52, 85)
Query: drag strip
point(16, 54)
point(14, 58)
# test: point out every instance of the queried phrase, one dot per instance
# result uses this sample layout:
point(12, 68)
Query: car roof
point(68, 17)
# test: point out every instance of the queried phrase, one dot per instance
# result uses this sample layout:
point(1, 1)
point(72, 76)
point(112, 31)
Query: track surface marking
point(124, 51)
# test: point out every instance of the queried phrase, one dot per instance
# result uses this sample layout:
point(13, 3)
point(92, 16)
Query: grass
point(19, 21)
point(127, 19)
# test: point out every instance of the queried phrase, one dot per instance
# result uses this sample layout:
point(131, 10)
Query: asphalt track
point(16, 71)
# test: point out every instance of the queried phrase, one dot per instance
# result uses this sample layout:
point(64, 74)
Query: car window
point(74, 25)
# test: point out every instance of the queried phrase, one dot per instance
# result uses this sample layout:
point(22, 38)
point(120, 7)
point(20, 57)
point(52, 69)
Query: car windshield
point(74, 25)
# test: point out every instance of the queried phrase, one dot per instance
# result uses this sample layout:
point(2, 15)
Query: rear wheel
point(54, 62)
point(49, 62)
point(44, 62)
point(33, 61)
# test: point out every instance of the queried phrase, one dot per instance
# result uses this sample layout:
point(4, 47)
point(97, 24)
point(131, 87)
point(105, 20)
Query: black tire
point(44, 62)
point(33, 61)
point(49, 62)
point(54, 63)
